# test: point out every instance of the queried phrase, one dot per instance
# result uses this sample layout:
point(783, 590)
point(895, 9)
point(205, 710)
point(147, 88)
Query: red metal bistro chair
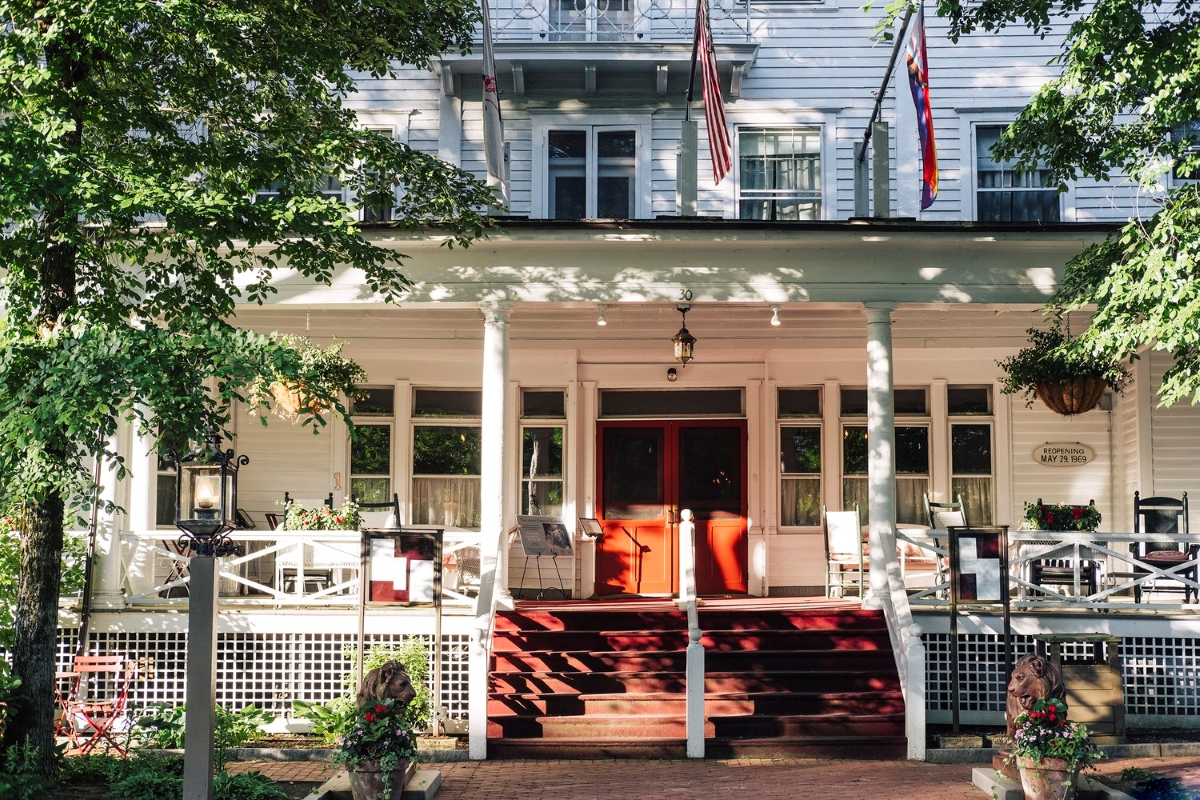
point(97, 697)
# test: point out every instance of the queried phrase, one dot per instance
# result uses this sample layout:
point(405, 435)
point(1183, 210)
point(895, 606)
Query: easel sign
point(544, 536)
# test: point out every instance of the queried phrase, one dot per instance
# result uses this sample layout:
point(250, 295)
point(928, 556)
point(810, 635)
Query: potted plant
point(1067, 379)
point(379, 750)
point(1050, 752)
point(320, 374)
point(1042, 517)
point(323, 518)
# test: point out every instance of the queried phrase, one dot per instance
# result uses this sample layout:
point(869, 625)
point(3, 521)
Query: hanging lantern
point(207, 497)
point(685, 343)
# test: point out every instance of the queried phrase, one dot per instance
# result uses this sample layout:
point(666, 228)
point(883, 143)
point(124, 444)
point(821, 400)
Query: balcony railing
point(614, 20)
point(280, 568)
point(1059, 570)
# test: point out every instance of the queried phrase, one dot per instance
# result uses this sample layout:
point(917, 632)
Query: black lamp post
point(205, 506)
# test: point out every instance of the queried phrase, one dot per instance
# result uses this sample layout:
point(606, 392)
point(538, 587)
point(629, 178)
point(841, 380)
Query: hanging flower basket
point(1073, 396)
point(1067, 379)
point(289, 399)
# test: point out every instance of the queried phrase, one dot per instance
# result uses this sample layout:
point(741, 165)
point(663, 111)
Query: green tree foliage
point(133, 138)
point(1125, 108)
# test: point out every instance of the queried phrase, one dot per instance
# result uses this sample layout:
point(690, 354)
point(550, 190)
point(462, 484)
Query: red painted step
point(607, 679)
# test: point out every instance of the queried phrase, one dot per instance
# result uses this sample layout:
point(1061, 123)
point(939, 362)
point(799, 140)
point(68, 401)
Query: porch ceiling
point(719, 262)
point(719, 326)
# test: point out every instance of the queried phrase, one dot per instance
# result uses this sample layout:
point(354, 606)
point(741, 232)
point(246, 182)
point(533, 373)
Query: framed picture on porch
point(402, 568)
point(544, 536)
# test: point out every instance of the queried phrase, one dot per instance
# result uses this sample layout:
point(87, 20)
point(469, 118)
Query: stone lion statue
point(390, 680)
point(1033, 678)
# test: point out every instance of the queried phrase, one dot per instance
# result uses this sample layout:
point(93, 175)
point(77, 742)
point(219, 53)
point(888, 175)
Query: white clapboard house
point(534, 373)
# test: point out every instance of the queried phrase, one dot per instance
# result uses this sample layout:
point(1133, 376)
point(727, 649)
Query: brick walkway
point(763, 779)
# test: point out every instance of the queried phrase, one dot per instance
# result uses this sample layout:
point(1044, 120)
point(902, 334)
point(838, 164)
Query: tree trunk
point(36, 632)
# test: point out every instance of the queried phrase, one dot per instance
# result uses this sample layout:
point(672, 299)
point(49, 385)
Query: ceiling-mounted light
point(775, 315)
point(685, 343)
point(600, 318)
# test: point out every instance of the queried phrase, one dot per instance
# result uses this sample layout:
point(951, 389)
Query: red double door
point(648, 472)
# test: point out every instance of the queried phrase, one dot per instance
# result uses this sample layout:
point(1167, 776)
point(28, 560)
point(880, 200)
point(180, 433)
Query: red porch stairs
point(606, 679)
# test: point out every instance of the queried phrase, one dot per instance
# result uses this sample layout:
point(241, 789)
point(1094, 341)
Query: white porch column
point(143, 477)
point(493, 480)
point(106, 592)
point(493, 477)
point(881, 446)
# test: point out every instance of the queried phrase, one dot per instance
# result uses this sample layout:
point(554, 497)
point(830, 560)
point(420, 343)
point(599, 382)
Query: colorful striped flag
point(918, 80)
point(493, 131)
point(720, 148)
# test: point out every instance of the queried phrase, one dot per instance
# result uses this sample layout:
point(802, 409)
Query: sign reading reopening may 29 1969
point(1063, 454)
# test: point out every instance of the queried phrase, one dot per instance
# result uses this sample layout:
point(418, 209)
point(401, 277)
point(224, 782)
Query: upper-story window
point(1004, 193)
point(591, 171)
point(1188, 132)
point(327, 187)
point(591, 20)
point(779, 173)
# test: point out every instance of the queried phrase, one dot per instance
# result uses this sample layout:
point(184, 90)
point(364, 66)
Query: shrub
point(247, 786)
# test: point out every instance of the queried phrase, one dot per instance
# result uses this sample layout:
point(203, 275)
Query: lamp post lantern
point(205, 507)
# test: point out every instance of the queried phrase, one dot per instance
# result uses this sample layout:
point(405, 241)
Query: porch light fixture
point(600, 320)
point(206, 497)
point(775, 316)
point(685, 343)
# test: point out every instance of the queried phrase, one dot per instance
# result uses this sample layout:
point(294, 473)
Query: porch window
point(165, 483)
point(779, 173)
point(591, 173)
point(1006, 194)
point(971, 467)
point(446, 470)
point(800, 475)
point(542, 471)
point(371, 463)
point(912, 470)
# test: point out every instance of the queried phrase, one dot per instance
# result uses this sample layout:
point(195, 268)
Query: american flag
point(719, 146)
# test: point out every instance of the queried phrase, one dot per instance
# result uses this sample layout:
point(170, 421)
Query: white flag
point(493, 130)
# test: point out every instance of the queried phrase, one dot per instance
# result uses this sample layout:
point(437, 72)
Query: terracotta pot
point(1048, 779)
point(366, 781)
point(1072, 397)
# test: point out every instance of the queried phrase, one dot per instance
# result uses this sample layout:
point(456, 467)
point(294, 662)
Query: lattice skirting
point(1161, 676)
point(268, 670)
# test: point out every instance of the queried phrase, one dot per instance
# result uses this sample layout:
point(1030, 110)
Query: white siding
point(284, 457)
point(1176, 443)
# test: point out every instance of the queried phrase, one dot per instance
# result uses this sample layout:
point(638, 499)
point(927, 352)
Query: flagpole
point(887, 77)
point(687, 108)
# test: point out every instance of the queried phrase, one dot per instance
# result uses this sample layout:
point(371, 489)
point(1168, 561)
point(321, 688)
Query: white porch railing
point(694, 658)
point(277, 568)
point(1116, 571)
point(614, 20)
point(907, 647)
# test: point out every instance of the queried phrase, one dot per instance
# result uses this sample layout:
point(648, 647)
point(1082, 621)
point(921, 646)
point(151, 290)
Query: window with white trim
point(779, 173)
point(446, 457)
point(542, 438)
point(1005, 194)
point(799, 412)
point(591, 173)
point(972, 468)
point(371, 446)
point(328, 187)
point(1185, 169)
point(591, 20)
point(912, 452)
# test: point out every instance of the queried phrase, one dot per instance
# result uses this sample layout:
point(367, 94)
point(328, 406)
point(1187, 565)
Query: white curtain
point(446, 502)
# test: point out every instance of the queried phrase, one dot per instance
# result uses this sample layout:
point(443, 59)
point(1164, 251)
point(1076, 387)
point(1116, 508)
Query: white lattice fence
point(269, 670)
point(1161, 676)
